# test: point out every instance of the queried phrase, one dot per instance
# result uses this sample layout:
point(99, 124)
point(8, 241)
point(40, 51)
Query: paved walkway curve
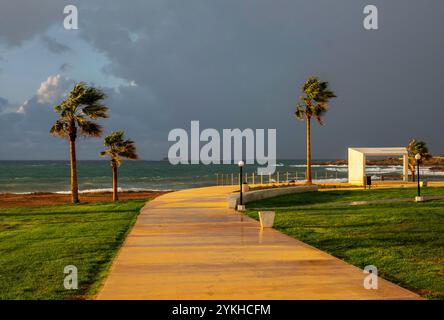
point(189, 245)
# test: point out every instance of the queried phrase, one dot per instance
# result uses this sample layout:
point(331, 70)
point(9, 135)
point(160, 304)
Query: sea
point(24, 177)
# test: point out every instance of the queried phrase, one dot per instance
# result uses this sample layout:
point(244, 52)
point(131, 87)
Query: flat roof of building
point(392, 151)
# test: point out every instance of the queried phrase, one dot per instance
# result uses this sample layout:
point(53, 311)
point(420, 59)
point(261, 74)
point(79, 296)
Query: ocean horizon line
point(164, 160)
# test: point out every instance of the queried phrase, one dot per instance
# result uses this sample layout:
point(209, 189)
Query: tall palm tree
point(118, 148)
point(312, 103)
point(82, 105)
point(414, 147)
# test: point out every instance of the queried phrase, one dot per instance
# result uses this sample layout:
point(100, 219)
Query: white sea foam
point(337, 169)
point(278, 165)
point(383, 169)
point(372, 169)
point(18, 193)
point(331, 180)
point(111, 190)
point(428, 172)
point(319, 165)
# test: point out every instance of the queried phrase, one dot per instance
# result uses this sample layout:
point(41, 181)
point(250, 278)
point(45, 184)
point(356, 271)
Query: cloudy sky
point(229, 64)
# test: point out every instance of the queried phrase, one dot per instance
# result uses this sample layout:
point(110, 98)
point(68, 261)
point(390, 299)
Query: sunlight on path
point(189, 245)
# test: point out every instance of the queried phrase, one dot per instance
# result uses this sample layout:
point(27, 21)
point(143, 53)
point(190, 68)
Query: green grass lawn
point(37, 243)
point(405, 241)
point(325, 197)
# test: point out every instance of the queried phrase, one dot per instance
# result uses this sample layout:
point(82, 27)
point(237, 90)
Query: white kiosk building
point(357, 159)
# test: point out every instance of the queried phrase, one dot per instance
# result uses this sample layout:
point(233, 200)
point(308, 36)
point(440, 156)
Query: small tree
point(118, 148)
point(75, 114)
point(417, 147)
point(312, 104)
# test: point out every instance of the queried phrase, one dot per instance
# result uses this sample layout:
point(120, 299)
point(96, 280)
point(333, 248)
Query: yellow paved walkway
point(188, 245)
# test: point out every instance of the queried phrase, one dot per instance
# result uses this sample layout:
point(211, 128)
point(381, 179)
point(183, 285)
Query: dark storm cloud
point(23, 19)
point(241, 63)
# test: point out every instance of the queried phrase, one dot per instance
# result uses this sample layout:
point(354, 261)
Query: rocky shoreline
point(435, 164)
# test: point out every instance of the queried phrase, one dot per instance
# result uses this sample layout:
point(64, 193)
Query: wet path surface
point(189, 245)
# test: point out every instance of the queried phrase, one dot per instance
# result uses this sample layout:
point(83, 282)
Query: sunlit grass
point(37, 243)
point(325, 197)
point(405, 241)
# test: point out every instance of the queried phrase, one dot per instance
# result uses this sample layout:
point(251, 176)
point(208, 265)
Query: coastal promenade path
point(189, 245)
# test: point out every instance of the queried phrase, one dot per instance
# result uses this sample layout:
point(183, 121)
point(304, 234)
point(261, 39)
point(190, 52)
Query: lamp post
point(241, 206)
point(418, 197)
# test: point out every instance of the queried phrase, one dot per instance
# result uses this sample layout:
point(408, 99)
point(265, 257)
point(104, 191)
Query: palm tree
point(414, 147)
point(118, 148)
point(82, 105)
point(312, 104)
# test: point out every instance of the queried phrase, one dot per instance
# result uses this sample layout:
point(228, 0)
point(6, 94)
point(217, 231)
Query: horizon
point(166, 160)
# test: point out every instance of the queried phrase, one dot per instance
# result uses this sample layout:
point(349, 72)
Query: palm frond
point(60, 129)
point(300, 112)
point(82, 103)
point(90, 129)
point(418, 147)
point(114, 139)
point(318, 111)
point(90, 96)
point(119, 148)
point(59, 108)
point(95, 111)
point(314, 101)
point(67, 113)
point(108, 152)
point(129, 150)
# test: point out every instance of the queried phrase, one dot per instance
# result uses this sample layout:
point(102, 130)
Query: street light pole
point(241, 180)
point(418, 197)
point(241, 206)
point(417, 174)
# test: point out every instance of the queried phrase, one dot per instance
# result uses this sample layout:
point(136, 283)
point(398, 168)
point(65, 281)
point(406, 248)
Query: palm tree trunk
point(412, 171)
point(74, 183)
point(115, 193)
point(308, 172)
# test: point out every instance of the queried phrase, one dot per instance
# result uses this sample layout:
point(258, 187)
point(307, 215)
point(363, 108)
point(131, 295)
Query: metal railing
point(278, 177)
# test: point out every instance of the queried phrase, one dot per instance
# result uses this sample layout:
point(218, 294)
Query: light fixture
point(418, 197)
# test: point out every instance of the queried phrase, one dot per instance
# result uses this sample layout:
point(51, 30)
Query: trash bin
point(266, 218)
point(423, 183)
point(368, 181)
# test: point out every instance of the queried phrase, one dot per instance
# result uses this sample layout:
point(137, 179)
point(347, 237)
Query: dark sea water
point(53, 176)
